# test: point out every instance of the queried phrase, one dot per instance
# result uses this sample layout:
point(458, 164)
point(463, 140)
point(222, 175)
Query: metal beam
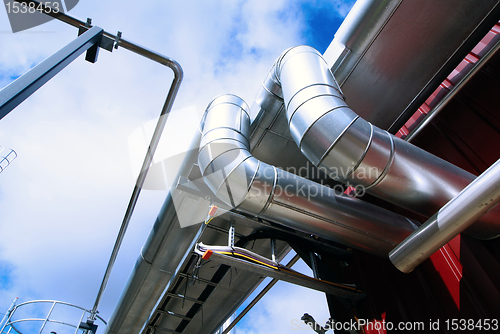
point(164, 330)
point(19, 90)
point(174, 314)
point(197, 279)
point(291, 277)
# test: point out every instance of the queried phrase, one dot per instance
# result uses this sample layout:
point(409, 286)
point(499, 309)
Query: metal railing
point(19, 325)
point(6, 157)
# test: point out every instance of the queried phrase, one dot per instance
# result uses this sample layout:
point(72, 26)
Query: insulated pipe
point(254, 187)
point(474, 201)
point(352, 150)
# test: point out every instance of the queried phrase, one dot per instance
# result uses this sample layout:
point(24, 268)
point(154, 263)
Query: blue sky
point(62, 200)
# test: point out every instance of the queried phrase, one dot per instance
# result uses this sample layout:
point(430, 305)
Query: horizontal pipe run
point(474, 201)
point(152, 55)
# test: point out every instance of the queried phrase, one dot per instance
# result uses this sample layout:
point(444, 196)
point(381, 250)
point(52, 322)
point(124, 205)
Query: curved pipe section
point(352, 150)
point(254, 187)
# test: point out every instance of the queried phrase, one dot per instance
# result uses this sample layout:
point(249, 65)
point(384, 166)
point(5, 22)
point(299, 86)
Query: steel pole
point(20, 89)
point(453, 92)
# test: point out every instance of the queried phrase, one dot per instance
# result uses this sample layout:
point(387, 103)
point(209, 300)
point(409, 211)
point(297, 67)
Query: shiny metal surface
point(21, 88)
point(475, 200)
point(358, 31)
point(389, 56)
point(351, 150)
point(270, 138)
point(257, 188)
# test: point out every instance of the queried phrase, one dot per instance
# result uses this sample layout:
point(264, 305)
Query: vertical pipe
point(167, 107)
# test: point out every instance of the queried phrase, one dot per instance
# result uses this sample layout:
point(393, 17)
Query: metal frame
point(453, 92)
point(257, 298)
point(290, 277)
point(10, 323)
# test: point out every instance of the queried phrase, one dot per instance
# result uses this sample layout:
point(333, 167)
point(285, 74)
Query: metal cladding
point(352, 150)
point(254, 187)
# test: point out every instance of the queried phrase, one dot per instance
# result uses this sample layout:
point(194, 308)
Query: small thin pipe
point(453, 92)
point(257, 298)
point(480, 196)
point(167, 107)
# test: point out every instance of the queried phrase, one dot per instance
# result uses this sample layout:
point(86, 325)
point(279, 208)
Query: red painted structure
point(462, 280)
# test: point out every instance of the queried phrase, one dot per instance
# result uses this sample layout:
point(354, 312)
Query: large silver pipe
point(474, 201)
point(254, 187)
point(352, 150)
